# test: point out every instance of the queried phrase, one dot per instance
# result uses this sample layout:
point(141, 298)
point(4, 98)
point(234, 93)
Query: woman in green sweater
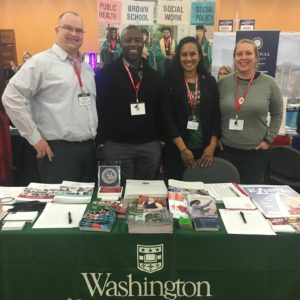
point(246, 98)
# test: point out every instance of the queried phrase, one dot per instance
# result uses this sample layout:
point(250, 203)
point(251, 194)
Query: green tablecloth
point(69, 264)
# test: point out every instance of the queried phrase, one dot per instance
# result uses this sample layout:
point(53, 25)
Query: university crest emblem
point(150, 258)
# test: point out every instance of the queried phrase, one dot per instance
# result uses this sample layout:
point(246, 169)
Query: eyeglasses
point(222, 73)
point(72, 29)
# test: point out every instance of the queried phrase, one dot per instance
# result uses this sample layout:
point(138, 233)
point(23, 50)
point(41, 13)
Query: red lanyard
point(77, 68)
point(135, 87)
point(240, 100)
point(191, 102)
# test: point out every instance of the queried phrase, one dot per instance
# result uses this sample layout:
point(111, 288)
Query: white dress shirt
point(42, 99)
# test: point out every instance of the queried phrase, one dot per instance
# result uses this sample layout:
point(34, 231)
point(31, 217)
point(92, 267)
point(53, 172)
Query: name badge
point(137, 108)
point(84, 99)
point(193, 125)
point(235, 124)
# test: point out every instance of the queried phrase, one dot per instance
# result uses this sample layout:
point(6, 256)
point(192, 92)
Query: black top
point(114, 95)
point(175, 109)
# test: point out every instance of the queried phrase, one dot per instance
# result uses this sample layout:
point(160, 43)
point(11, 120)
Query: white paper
point(255, 222)
point(55, 215)
point(243, 202)
point(221, 190)
point(27, 216)
point(7, 192)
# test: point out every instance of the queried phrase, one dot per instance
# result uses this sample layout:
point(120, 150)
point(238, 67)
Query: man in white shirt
point(51, 100)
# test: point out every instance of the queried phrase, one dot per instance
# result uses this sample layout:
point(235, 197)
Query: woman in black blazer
point(190, 110)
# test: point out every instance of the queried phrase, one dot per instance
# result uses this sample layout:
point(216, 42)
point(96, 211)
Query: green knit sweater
point(263, 97)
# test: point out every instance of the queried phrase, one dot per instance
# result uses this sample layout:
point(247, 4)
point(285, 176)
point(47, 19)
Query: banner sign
point(247, 24)
point(108, 12)
point(173, 12)
point(138, 12)
point(267, 44)
point(203, 13)
point(225, 25)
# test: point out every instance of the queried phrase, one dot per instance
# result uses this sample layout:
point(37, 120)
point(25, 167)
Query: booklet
point(72, 192)
point(275, 201)
point(42, 192)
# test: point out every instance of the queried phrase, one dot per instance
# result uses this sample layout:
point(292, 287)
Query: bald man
point(51, 100)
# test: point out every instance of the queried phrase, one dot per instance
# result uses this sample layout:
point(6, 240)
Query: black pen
point(70, 217)
point(243, 217)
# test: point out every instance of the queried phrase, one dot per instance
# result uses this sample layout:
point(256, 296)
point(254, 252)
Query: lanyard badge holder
point(137, 108)
point(84, 99)
point(238, 124)
point(194, 123)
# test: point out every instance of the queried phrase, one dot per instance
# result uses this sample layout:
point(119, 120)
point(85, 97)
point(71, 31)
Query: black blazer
point(175, 109)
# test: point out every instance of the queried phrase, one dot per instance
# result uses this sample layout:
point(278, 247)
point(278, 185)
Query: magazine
point(275, 201)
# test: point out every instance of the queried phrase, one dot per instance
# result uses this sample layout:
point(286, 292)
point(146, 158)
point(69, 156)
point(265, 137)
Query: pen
point(69, 217)
point(243, 217)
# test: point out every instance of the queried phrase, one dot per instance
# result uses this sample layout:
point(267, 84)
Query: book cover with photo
point(101, 218)
point(274, 201)
point(119, 206)
point(202, 206)
point(151, 203)
point(178, 192)
point(149, 221)
point(74, 192)
point(38, 192)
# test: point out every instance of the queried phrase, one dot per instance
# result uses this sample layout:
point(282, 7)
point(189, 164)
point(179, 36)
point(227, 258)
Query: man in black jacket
point(128, 104)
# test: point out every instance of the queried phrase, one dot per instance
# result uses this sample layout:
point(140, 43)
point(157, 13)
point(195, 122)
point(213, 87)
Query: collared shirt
point(42, 99)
